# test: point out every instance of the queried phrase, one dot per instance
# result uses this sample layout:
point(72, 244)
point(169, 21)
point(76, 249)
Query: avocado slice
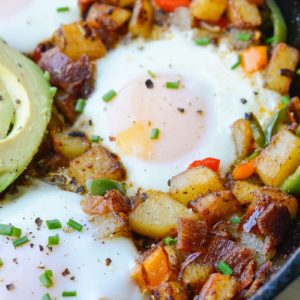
point(28, 103)
point(292, 184)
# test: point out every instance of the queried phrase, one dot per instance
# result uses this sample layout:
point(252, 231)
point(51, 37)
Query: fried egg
point(79, 262)
point(25, 23)
point(193, 120)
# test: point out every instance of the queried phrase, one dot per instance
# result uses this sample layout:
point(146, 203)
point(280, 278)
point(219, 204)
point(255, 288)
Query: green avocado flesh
point(25, 110)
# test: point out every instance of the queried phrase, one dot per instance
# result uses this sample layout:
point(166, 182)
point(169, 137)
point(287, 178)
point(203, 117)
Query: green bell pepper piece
point(102, 186)
point(292, 184)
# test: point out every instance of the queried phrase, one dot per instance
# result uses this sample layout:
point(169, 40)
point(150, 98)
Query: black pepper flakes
point(244, 101)
point(181, 110)
point(199, 112)
point(41, 248)
point(1, 97)
point(38, 222)
point(66, 272)
point(10, 287)
point(287, 73)
point(149, 84)
point(108, 261)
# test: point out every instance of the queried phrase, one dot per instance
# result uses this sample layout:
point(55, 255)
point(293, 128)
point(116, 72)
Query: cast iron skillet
point(287, 262)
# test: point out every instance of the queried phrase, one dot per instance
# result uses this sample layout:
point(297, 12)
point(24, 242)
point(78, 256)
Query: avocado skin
point(22, 77)
point(292, 184)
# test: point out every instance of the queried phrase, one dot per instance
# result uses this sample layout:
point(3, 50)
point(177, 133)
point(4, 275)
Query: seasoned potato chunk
point(281, 68)
point(208, 10)
point(279, 159)
point(219, 287)
point(215, 206)
point(243, 137)
point(142, 19)
point(97, 162)
point(243, 14)
point(193, 183)
point(170, 290)
point(243, 191)
point(78, 39)
point(157, 216)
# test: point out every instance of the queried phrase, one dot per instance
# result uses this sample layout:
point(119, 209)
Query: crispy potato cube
point(97, 162)
point(78, 39)
point(215, 206)
point(242, 137)
point(208, 10)
point(219, 287)
point(243, 191)
point(281, 68)
point(279, 159)
point(243, 14)
point(157, 216)
point(142, 19)
point(192, 183)
point(170, 290)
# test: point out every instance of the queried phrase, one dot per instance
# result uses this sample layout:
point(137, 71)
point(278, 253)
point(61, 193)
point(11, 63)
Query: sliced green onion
point(102, 186)
point(285, 100)
point(154, 134)
point(202, 41)
point(47, 75)
point(63, 9)
point(53, 240)
point(53, 224)
point(1, 263)
point(80, 105)
point(235, 220)
point(270, 40)
point(49, 273)
point(46, 297)
point(6, 229)
point(69, 294)
point(46, 279)
point(20, 242)
point(224, 268)
point(151, 74)
point(169, 241)
point(109, 96)
point(239, 61)
point(95, 138)
point(298, 72)
point(244, 36)
point(173, 85)
point(16, 232)
point(75, 225)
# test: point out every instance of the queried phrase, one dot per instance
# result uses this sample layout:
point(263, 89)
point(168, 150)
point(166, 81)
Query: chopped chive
point(224, 268)
point(172, 85)
point(169, 241)
point(298, 72)
point(16, 232)
point(53, 91)
point(46, 279)
point(239, 61)
point(20, 242)
point(95, 138)
point(53, 240)
point(47, 75)
point(270, 40)
point(69, 294)
point(109, 96)
point(154, 134)
point(244, 36)
point(6, 229)
point(285, 100)
point(53, 224)
point(80, 105)
point(151, 74)
point(63, 9)
point(102, 186)
point(235, 220)
point(1, 263)
point(73, 224)
point(46, 297)
point(202, 41)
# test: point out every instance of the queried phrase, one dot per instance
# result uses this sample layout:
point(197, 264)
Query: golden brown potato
point(279, 159)
point(170, 290)
point(243, 191)
point(77, 39)
point(69, 144)
point(157, 216)
point(281, 68)
point(208, 10)
point(121, 3)
point(97, 162)
point(219, 287)
point(142, 19)
point(192, 183)
point(215, 206)
point(243, 137)
point(243, 14)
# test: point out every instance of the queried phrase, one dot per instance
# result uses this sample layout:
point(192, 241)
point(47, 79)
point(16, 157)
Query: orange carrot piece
point(138, 276)
point(255, 58)
point(157, 268)
point(243, 171)
point(171, 5)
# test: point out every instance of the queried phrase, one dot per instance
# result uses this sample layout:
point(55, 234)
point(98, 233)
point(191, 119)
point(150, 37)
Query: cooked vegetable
point(107, 97)
point(208, 10)
point(279, 159)
point(283, 58)
point(189, 185)
point(170, 290)
point(102, 186)
point(257, 130)
point(292, 184)
point(243, 170)
point(243, 191)
point(224, 268)
point(255, 58)
point(157, 216)
point(138, 275)
point(171, 5)
point(209, 162)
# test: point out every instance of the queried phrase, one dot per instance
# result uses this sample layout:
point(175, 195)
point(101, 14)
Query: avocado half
point(25, 110)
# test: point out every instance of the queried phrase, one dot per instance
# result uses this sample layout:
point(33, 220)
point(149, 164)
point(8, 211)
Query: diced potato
point(142, 19)
point(97, 162)
point(243, 14)
point(215, 206)
point(157, 216)
point(208, 10)
point(70, 146)
point(219, 287)
point(243, 137)
point(77, 39)
point(243, 191)
point(189, 185)
point(279, 159)
point(170, 290)
point(284, 60)
point(121, 3)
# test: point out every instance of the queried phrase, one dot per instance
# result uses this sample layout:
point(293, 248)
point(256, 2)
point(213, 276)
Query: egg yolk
point(176, 110)
point(9, 8)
